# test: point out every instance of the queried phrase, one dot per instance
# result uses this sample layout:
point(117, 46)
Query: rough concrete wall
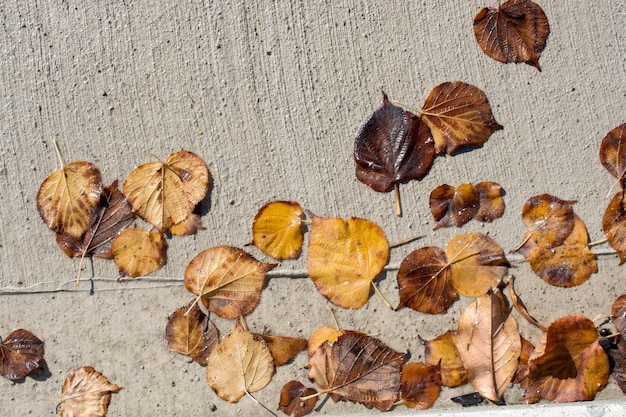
point(271, 94)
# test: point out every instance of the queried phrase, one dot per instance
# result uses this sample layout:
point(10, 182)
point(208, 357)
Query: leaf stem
point(382, 297)
point(260, 403)
point(405, 241)
point(396, 193)
point(332, 314)
point(58, 152)
point(598, 242)
point(317, 394)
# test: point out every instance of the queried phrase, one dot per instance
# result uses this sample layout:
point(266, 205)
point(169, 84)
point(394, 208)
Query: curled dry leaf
point(424, 281)
point(277, 230)
point(227, 280)
point(239, 364)
point(420, 385)
point(442, 350)
point(359, 368)
point(283, 348)
point(522, 368)
point(166, 193)
point(290, 402)
point(112, 215)
point(548, 219)
point(458, 115)
point(86, 392)
point(392, 146)
point(190, 332)
point(454, 207)
point(491, 205)
point(613, 152)
point(137, 252)
point(67, 198)
point(489, 345)
point(568, 363)
point(521, 307)
point(344, 258)
point(21, 353)
point(614, 224)
point(516, 31)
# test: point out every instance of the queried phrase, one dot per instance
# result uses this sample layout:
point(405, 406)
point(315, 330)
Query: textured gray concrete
point(270, 94)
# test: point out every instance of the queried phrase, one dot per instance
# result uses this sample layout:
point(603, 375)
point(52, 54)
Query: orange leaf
point(454, 207)
point(424, 281)
point(321, 335)
point(290, 403)
point(458, 115)
point(21, 353)
point(491, 201)
point(283, 348)
point(277, 230)
point(86, 392)
point(614, 224)
point(489, 344)
point(344, 257)
point(239, 364)
point(442, 350)
point(190, 332)
point(165, 193)
point(137, 252)
point(227, 280)
point(549, 220)
point(613, 152)
point(67, 198)
point(420, 385)
point(189, 226)
point(516, 31)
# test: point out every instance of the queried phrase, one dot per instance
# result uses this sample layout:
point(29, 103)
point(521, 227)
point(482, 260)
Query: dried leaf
point(321, 335)
point(614, 224)
point(522, 368)
point(476, 263)
point(112, 215)
point(424, 281)
point(454, 207)
point(613, 152)
point(491, 205)
point(420, 385)
point(392, 146)
point(358, 368)
point(618, 314)
point(239, 364)
point(86, 392)
point(549, 220)
point(344, 257)
point(137, 252)
point(442, 350)
point(458, 115)
point(187, 227)
point(283, 348)
point(568, 363)
point(489, 344)
point(166, 193)
point(21, 353)
point(67, 197)
point(618, 352)
point(290, 403)
point(190, 332)
point(228, 280)
point(277, 230)
point(521, 307)
point(516, 31)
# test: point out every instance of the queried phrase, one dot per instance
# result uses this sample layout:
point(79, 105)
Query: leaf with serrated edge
point(86, 392)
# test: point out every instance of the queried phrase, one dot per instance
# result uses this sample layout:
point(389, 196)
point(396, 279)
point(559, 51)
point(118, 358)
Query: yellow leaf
point(344, 258)
point(277, 230)
point(137, 252)
point(68, 196)
point(165, 193)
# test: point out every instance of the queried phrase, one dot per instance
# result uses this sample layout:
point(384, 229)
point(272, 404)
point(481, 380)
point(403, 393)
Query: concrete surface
point(271, 94)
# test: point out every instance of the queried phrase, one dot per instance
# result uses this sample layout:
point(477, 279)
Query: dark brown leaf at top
point(21, 353)
point(392, 146)
point(613, 152)
point(491, 199)
point(290, 403)
point(614, 224)
point(517, 32)
point(549, 219)
point(454, 207)
point(112, 215)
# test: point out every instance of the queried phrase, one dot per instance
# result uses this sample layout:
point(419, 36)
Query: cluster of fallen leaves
point(92, 220)
point(456, 206)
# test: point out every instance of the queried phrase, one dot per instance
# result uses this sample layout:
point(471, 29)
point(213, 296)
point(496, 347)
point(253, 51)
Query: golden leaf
point(277, 230)
point(137, 252)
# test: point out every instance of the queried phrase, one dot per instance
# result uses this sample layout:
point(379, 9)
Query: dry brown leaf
point(166, 193)
point(618, 351)
point(516, 31)
point(227, 280)
point(454, 207)
point(549, 220)
point(489, 345)
point(21, 353)
point(239, 364)
point(491, 199)
point(67, 198)
point(522, 368)
point(420, 385)
point(277, 230)
point(521, 307)
point(344, 258)
point(458, 115)
point(442, 350)
point(290, 403)
point(614, 224)
point(137, 252)
point(86, 392)
point(187, 227)
point(190, 332)
point(613, 152)
point(283, 348)
point(359, 368)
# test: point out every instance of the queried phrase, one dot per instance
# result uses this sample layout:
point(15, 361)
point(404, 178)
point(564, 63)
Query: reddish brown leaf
point(618, 314)
point(458, 115)
point(424, 281)
point(614, 224)
point(358, 368)
point(491, 199)
point(453, 207)
point(190, 332)
point(516, 31)
point(618, 352)
point(442, 350)
point(420, 385)
point(392, 146)
point(21, 353)
point(112, 215)
point(283, 348)
point(522, 368)
point(549, 220)
point(86, 392)
point(613, 152)
point(290, 403)
point(521, 307)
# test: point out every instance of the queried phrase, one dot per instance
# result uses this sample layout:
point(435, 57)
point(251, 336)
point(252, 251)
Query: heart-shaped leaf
point(137, 252)
point(277, 230)
point(86, 392)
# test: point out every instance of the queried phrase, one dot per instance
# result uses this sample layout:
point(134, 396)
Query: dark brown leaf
point(454, 207)
point(290, 403)
point(491, 205)
point(613, 152)
point(614, 224)
point(21, 353)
